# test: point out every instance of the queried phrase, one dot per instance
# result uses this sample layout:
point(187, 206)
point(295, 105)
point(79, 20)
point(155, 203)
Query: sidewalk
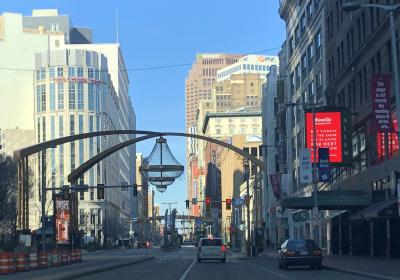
point(92, 263)
point(377, 268)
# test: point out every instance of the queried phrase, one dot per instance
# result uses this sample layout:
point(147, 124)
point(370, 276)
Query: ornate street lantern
point(161, 168)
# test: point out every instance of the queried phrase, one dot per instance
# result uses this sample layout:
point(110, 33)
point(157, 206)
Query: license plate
point(303, 253)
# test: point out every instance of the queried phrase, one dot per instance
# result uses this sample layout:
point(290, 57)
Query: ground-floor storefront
point(375, 237)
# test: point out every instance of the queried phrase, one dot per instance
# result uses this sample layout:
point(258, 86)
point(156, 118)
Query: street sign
point(305, 166)
point(194, 201)
point(324, 171)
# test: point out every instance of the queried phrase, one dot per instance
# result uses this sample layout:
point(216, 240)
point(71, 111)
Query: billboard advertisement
point(380, 90)
point(333, 131)
point(62, 220)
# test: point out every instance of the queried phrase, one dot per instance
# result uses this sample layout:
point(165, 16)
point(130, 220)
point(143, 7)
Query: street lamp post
point(315, 210)
point(349, 7)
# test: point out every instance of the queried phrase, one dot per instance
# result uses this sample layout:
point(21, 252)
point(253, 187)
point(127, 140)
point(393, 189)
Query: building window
point(60, 126)
point(318, 54)
point(44, 128)
point(71, 91)
point(91, 96)
point(71, 125)
point(41, 98)
point(71, 71)
point(60, 96)
point(60, 72)
point(72, 146)
point(90, 73)
point(79, 71)
point(80, 96)
point(41, 74)
point(52, 127)
point(52, 72)
point(218, 131)
point(52, 96)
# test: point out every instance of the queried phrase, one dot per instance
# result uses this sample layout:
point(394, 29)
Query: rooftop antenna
point(116, 24)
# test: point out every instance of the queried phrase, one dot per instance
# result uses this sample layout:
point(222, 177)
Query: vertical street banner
point(305, 168)
point(62, 220)
point(274, 178)
point(380, 90)
point(324, 172)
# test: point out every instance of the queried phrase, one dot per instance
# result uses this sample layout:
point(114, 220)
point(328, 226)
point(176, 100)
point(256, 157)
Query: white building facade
point(61, 84)
point(249, 64)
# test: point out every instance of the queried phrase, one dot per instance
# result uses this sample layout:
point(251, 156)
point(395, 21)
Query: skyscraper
point(198, 88)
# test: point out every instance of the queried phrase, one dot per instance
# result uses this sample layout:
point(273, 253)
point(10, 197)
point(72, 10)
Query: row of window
point(78, 71)
point(77, 93)
point(357, 91)
point(250, 67)
point(305, 19)
point(243, 130)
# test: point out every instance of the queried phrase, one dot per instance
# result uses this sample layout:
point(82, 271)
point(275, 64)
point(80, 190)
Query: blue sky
point(158, 33)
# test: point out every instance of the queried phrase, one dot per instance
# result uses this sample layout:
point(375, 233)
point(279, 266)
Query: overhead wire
point(159, 67)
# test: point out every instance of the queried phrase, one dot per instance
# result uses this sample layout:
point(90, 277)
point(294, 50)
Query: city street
point(180, 264)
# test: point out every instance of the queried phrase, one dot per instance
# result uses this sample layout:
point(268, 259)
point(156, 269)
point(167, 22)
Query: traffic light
point(187, 203)
point(208, 204)
point(134, 189)
point(228, 203)
point(100, 191)
point(65, 194)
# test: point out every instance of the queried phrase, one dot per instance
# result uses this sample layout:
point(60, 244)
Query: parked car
point(211, 249)
point(299, 252)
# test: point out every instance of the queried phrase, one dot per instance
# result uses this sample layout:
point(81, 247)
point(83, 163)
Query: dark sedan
point(299, 252)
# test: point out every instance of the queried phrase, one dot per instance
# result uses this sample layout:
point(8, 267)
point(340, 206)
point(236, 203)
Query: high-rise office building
point(73, 92)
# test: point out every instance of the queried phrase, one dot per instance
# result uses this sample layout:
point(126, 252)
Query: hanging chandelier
point(161, 168)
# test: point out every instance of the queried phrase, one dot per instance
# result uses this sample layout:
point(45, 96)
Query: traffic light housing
point(100, 191)
point(134, 189)
point(187, 204)
point(208, 204)
point(228, 203)
point(65, 194)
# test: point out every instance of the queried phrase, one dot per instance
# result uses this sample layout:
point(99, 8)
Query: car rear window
point(297, 245)
point(211, 242)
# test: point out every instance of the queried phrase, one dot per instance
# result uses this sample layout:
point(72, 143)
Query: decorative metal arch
point(74, 175)
point(22, 155)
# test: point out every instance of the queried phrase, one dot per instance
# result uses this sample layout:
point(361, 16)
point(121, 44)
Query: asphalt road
point(181, 265)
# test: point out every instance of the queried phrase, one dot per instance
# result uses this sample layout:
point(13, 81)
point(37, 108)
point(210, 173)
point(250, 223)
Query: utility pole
point(247, 176)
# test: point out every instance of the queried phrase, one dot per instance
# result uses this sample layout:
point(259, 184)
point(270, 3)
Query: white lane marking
point(270, 271)
point(187, 270)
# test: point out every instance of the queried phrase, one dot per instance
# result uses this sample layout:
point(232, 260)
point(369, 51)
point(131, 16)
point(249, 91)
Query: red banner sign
point(328, 126)
point(274, 178)
point(393, 140)
point(380, 89)
point(62, 220)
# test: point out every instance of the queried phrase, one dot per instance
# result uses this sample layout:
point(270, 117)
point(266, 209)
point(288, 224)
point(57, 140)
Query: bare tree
point(8, 191)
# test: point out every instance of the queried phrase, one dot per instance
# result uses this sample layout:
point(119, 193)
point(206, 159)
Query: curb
point(359, 273)
point(78, 274)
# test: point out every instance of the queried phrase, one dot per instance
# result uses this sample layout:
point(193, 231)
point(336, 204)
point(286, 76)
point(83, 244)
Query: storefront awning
point(373, 211)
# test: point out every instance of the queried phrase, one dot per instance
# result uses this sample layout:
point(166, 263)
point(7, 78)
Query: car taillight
point(223, 248)
point(317, 253)
point(289, 254)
